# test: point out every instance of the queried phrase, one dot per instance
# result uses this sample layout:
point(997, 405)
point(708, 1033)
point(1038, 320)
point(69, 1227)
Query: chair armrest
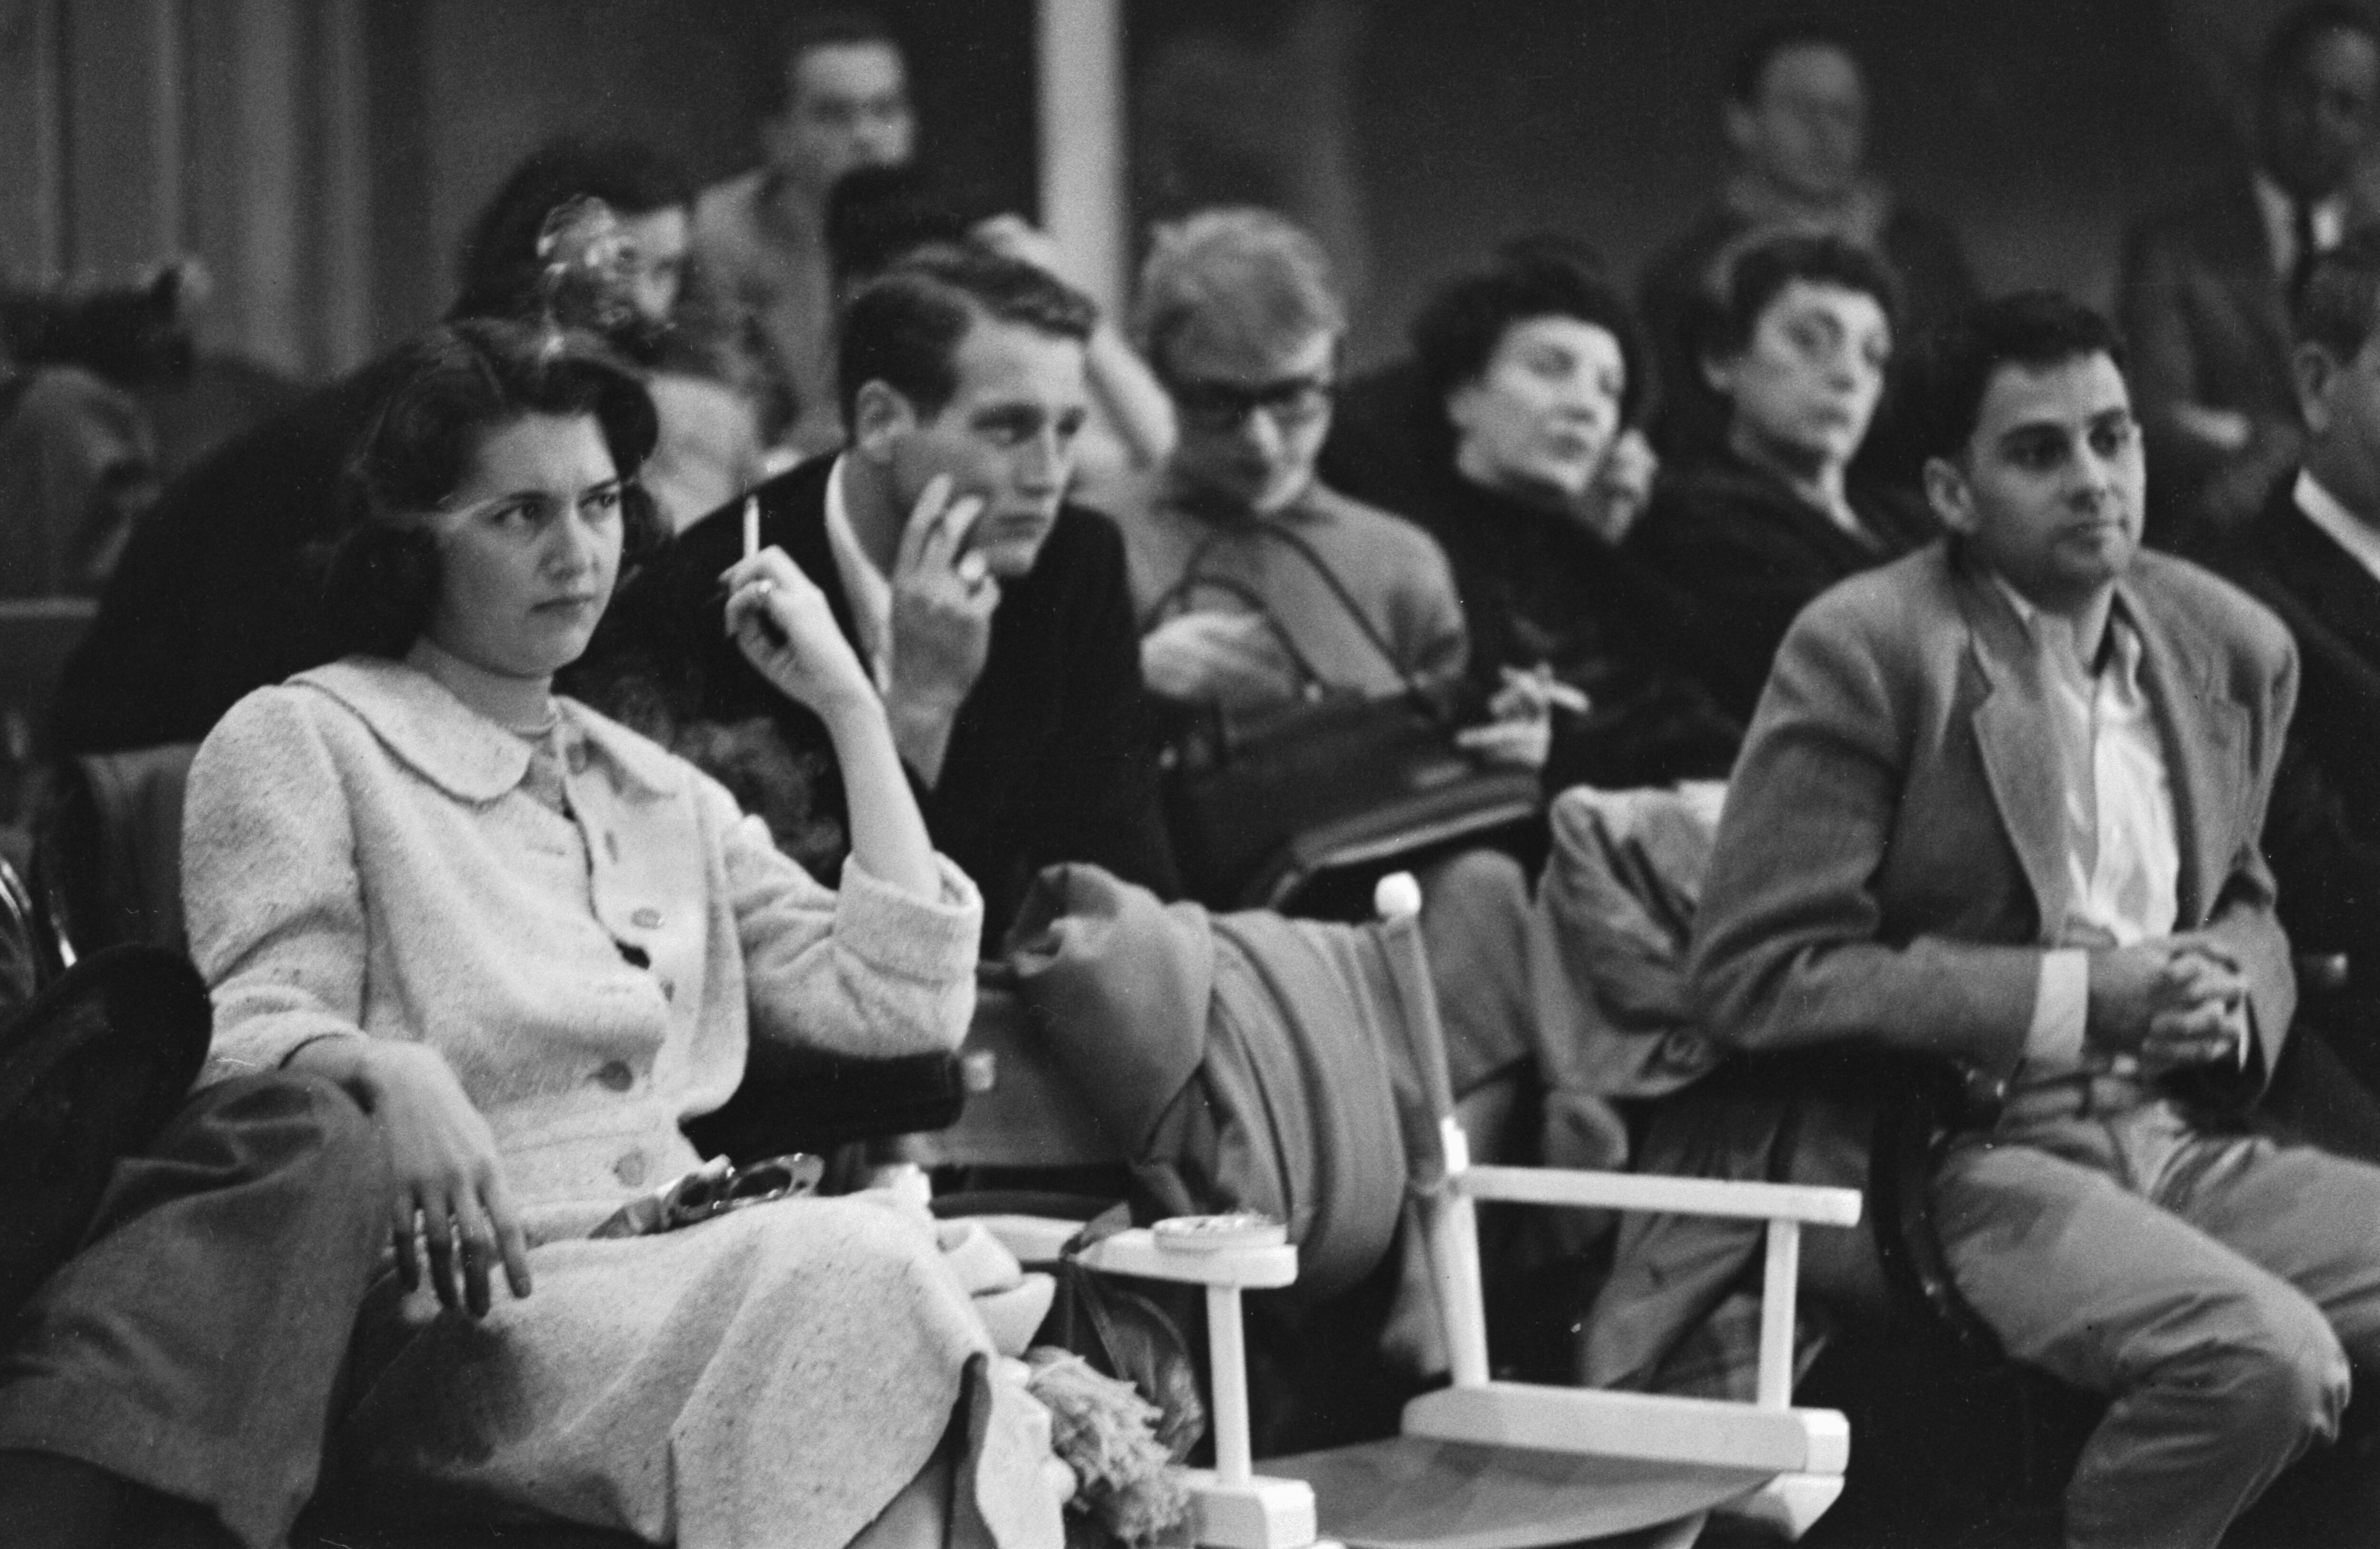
point(1809, 1204)
point(815, 1103)
point(1135, 1251)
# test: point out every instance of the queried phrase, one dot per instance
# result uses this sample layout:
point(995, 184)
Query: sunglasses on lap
point(714, 1189)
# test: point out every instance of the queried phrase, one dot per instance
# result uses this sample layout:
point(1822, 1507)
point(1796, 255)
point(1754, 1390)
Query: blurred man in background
point(841, 102)
point(2207, 287)
point(1796, 118)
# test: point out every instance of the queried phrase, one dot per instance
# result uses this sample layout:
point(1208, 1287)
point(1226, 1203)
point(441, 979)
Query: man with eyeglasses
point(1253, 583)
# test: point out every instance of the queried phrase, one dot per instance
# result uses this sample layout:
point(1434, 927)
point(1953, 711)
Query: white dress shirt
point(2341, 526)
point(2123, 851)
point(2280, 213)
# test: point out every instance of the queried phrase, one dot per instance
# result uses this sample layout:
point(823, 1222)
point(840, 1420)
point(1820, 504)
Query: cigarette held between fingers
point(751, 526)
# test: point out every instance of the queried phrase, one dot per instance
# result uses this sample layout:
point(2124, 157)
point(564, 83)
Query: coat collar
point(462, 752)
point(2201, 728)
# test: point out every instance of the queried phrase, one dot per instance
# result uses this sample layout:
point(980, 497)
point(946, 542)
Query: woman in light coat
point(532, 944)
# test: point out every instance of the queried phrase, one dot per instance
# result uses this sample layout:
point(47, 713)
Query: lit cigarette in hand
point(769, 625)
point(1550, 689)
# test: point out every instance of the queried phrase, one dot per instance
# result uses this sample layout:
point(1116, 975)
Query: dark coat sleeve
point(1101, 802)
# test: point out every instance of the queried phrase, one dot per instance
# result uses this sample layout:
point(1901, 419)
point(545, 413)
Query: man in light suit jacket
point(2001, 803)
point(2206, 290)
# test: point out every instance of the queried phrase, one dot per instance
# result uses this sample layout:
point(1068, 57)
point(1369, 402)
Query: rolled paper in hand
point(769, 626)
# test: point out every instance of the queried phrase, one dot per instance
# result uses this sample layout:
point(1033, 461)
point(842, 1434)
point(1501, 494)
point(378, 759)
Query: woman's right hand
point(449, 1190)
point(787, 632)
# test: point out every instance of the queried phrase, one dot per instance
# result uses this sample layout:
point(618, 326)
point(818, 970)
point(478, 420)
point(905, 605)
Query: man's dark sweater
point(1047, 761)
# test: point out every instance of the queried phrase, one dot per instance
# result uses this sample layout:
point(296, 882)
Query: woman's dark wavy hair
point(1460, 326)
point(443, 391)
point(1752, 278)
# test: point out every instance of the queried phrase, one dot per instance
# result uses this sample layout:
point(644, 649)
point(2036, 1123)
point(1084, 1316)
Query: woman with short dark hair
point(1533, 369)
point(532, 944)
point(1798, 346)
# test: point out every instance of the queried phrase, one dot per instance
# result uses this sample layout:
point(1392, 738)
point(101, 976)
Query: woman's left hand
point(787, 632)
point(1522, 734)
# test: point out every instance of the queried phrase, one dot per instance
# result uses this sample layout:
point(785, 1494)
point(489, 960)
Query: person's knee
point(2282, 1374)
point(1468, 880)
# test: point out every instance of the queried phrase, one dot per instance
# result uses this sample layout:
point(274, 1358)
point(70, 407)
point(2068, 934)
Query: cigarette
point(1562, 696)
point(751, 526)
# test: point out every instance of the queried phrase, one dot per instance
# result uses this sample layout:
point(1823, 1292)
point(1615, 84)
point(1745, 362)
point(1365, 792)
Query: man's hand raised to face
point(942, 602)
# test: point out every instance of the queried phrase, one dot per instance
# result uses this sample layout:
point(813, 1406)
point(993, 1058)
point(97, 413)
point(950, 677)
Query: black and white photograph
point(1223, 774)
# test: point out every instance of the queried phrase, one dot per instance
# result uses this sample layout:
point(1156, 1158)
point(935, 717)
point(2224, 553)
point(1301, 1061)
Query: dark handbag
point(1246, 796)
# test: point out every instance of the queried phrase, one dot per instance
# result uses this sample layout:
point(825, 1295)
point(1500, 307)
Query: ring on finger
point(973, 569)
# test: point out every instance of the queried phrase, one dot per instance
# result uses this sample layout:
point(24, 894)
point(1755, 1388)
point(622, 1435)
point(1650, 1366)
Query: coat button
point(578, 758)
point(646, 919)
point(616, 1075)
point(630, 1169)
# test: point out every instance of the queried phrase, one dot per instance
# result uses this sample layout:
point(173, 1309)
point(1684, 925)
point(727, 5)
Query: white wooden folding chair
point(1484, 1464)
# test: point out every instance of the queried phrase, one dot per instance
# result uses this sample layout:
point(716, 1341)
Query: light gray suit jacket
point(1889, 835)
point(1891, 828)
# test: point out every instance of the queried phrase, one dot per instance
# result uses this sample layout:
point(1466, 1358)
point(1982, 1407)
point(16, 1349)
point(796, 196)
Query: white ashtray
point(1209, 1234)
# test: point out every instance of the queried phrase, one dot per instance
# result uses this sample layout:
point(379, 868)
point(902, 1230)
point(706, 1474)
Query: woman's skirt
point(774, 1376)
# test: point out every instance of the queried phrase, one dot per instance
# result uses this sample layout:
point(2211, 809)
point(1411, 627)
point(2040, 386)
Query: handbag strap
point(1411, 686)
point(1191, 580)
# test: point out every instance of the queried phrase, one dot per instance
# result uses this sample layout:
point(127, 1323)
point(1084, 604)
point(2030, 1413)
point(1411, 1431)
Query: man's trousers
point(193, 1343)
point(2214, 1286)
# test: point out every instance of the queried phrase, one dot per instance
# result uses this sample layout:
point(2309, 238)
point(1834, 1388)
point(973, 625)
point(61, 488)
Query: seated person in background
point(534, 944)
point(1386, 431)
point(1239, 556)
point(837, 101)
point(711, 447)
point(2207, 288)
point(995, 618)
point(1533, 369)
point(1796, 117)
point(1757, 528)
point(2313, 556)
point(218, 591)
point(878, 215)
point(2001, 805)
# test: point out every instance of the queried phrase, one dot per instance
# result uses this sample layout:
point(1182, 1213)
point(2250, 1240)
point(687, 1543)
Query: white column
point(1084, 199)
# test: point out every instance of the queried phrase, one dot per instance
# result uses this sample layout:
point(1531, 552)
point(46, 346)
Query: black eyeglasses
point(713, 1189)
point(1290, 403)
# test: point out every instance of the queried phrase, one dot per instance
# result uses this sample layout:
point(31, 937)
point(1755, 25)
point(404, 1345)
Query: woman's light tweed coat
point(361, 859)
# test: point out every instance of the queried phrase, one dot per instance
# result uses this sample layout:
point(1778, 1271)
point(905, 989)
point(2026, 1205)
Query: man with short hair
point(839, 101)
point(1796, 117)
point(1240, 556)
point(2206, 291)
point(2313, 556)
point(995, 617)
point(2000, 805)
